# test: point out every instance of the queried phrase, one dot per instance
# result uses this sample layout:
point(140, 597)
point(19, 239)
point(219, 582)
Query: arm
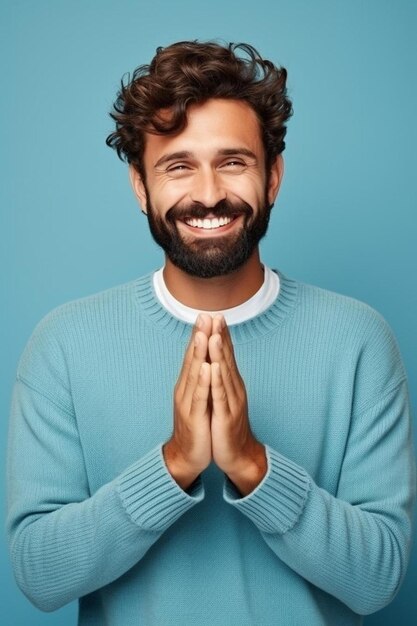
point(354, 544)
point(65, 541)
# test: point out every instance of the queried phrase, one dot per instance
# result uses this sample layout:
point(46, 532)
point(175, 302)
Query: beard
point(209, 256)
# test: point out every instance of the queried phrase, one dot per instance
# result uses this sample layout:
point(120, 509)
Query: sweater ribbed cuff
point(150, 495)
point(278, 501)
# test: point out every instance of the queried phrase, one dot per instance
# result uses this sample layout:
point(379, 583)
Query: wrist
point(249, 472)
point(181, 471)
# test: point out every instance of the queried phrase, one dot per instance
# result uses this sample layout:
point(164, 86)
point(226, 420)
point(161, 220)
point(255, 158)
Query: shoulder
point(355, 332)
point(110, 299)
point(341, 311)
point(100, 306)
point(333, 301)
point(75, 324)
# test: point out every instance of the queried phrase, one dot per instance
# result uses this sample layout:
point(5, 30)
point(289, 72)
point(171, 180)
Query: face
point(207, 194)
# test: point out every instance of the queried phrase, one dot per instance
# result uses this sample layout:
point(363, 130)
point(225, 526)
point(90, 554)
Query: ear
point(275, 178)
point(138, 187)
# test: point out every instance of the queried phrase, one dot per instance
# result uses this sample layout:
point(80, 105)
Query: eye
point(178, 169)
point(177, 166)
point(233, 165)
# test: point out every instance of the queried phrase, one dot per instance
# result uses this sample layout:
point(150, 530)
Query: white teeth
point(208, 223)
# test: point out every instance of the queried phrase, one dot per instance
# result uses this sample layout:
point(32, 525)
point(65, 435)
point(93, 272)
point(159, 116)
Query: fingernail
point(199, 321)
point(219, 342)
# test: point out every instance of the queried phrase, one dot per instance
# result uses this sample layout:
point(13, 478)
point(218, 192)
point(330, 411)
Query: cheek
point(165, 195)
point(250, 191)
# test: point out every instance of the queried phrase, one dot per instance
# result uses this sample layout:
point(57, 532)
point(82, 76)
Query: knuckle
point(191, 379)
point(221, 395)
point(231, 363)
point(198, 396)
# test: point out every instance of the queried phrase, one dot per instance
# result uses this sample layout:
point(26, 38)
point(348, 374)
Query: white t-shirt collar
point(258, 303)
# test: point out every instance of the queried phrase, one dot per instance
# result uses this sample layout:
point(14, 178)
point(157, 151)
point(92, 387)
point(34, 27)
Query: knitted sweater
point(94, 514)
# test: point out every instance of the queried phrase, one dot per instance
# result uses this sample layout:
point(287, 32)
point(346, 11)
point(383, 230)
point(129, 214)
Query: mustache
point(197, 210)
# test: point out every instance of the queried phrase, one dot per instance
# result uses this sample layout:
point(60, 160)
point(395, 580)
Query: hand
point(235, 450)
point(188, 452)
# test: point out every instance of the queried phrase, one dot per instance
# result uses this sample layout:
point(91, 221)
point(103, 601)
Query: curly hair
point(191, 72)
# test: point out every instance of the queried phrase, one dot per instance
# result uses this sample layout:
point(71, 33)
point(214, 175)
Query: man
point(213, 443)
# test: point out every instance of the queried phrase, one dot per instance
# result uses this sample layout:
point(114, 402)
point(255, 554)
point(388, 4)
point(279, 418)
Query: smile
point(208, 223)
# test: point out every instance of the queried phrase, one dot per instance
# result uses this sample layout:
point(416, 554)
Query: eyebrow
point(237, 151)
point(186, 154)
point(172, 156)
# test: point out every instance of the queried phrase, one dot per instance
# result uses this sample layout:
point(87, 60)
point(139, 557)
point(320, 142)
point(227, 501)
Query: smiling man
point(213, 443)
point(217, 162)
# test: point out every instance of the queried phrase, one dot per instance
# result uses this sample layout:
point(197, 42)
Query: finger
point(204, 323)
point(218, 392)
point(228, 349)
point(220, 326)
point(201, 391)
point(218, 323)
point(221, 350)
point(217, 355)
point(201, 324)
point(192, 377)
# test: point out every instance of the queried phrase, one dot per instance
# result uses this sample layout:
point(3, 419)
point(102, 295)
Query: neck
point(218, 293)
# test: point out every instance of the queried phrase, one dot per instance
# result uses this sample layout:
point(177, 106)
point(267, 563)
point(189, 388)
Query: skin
point(211, 421)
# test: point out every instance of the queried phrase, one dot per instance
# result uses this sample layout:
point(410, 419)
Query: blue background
point(346, 214)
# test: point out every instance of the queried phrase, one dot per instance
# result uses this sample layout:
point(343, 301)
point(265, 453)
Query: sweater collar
point(249, 330)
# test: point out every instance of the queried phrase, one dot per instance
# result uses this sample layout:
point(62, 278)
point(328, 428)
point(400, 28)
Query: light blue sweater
point(94, 513)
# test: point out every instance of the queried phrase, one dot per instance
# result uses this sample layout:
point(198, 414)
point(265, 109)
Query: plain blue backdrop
point(346, 214)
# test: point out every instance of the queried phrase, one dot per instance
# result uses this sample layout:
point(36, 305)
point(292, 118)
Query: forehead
point(212, 126)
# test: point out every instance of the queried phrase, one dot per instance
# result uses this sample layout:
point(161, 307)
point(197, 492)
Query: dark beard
point(211, 256)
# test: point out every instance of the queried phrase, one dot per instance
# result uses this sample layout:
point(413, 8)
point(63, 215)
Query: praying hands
point(211, 414)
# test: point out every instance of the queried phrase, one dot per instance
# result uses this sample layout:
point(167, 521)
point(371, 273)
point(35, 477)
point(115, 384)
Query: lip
point(210, 232)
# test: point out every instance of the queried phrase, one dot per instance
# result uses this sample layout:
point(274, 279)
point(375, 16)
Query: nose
point(207, 188)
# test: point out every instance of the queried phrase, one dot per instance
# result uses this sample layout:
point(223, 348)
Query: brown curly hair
point(191, 72)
